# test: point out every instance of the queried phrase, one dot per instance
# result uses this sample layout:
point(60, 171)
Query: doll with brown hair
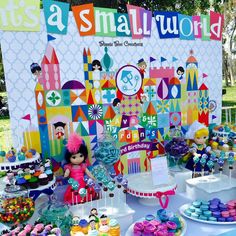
point(76, 156)
point(198, 135)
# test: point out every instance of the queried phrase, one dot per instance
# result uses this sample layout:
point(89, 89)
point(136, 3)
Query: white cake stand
point(7, 165)
point(140, 185)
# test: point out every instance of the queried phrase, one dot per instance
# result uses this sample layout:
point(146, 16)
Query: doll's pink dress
point(77, 172)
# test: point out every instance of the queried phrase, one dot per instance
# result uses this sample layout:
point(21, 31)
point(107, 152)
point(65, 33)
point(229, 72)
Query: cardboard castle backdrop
point(134, 88)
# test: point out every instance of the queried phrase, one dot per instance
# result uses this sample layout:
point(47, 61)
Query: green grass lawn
point(229, 99)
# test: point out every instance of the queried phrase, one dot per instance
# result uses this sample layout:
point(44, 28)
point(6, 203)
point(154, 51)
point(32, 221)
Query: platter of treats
point(210, 212)
point(95, 225)
point(164, 224)
point(37, 229)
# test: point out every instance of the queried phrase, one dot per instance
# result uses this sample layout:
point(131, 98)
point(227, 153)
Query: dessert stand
point(141, 186)
point(6, 165)
point(211, 186)
point(115, 208)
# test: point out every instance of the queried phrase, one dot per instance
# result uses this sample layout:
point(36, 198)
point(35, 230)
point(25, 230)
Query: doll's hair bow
point(74, 143)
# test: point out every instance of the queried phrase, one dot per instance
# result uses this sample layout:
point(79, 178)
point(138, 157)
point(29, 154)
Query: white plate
point(186, 206)
point(130, 229)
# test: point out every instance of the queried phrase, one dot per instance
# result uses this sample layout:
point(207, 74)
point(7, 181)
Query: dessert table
point(193, 228)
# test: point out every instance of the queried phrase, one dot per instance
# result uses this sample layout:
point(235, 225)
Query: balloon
point(203, 161)
point(195, 159)
point(82, 192)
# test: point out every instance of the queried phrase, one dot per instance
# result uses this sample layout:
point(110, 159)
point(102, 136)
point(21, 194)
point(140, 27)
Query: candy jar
point(15, 205)
point(106, 152)
point(176, 149)
point(56, 213)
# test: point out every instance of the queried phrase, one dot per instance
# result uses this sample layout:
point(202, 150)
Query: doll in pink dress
point(76, 155)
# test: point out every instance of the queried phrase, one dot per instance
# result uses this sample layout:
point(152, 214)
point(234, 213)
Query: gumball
point(11, 156)
point(33, 151)
point(29, 154)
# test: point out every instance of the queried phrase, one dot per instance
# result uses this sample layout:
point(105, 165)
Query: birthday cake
point(224, 138)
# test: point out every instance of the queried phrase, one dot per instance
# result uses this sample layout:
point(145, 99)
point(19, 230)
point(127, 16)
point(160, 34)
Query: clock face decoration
point(129, 80)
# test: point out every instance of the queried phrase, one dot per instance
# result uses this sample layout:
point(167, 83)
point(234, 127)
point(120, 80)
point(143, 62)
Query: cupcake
point(24, 149)
point(11, 157)
point(21, 181)
point(114, 228)
point(43, 179)
point(33, 182)
point(28, 154)
point(21, 156)
point(49, 174)
point(84, 226)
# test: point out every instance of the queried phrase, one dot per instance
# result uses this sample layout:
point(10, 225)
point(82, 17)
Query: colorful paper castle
point(88, 108)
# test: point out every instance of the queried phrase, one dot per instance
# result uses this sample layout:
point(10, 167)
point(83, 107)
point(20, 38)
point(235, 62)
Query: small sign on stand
point(159, 170)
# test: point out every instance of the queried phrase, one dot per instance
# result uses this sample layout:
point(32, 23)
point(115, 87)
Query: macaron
point(213, 207)
point(230, 205)
point(192, 208)
point(207, 213)
point(230, 219)
point(196, 204)
point(222, 207)
point(225, 214)
point(221, 219)
point(171, 225)
point(149, 217)
point(205, 203)
point(198, 211)
point(216, 214)
point(204, 207)
point(216, 201)
point(188, 212)
point(232, 212)
point(194, 215)
point(138, 227)
point(212, 218)
point(202, 217)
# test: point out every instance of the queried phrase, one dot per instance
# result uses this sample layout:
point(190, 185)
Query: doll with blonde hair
point(197, 135)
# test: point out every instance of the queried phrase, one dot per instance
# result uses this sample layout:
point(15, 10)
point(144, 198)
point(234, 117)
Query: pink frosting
point(149, 228)
point(138, 233)
point(28, 228)
point(171, 234)
point(155, 222)
point(225, 213)
point(162, 227)
point(23, 233)
point(171, 225)
point(145, 222)
point(138, 227)
point(161, 233)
